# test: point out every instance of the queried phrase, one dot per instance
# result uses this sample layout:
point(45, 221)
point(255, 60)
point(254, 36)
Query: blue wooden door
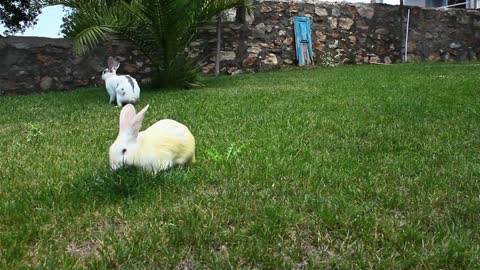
point(303, 40)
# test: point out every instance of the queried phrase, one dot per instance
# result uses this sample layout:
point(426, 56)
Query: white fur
point(119, 87)
point(165, 144)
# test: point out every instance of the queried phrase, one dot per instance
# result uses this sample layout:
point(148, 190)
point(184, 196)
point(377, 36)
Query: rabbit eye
point(124, 151)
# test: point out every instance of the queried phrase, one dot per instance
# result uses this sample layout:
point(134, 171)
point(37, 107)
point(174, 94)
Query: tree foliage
point(18, 15)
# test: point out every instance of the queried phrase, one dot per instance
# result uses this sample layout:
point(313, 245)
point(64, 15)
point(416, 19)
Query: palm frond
point(161, 29)
point(89, 38)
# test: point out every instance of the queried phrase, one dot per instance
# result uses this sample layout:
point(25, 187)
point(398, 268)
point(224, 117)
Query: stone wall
point(31, 64)
point(353, 33)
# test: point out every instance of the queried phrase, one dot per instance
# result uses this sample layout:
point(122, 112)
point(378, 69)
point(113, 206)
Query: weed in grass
point(233, 151)
point(33, 132)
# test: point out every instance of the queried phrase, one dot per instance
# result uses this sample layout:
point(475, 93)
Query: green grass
point(352, 167)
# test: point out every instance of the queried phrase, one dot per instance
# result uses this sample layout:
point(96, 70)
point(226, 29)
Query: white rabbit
point(163, 145)
point(121, 88)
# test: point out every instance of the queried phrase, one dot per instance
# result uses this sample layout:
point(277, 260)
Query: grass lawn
point(351, 167)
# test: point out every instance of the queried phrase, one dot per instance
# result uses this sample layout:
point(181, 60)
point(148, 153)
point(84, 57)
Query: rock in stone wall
point(31, 64)
point(353, 33)
point(439, 35)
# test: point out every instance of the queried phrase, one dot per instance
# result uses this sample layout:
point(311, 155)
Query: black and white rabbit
point(121, 88)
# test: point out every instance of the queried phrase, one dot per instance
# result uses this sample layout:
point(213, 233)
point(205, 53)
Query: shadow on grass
point(204, 82)
point(107, 186)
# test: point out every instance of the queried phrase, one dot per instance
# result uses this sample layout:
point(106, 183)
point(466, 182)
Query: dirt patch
point(84, 250)
point(186, 264)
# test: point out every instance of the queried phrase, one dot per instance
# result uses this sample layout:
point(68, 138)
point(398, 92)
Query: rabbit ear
point(126, 115)
point(136, 122)
point(110, 62)
point(116, 63)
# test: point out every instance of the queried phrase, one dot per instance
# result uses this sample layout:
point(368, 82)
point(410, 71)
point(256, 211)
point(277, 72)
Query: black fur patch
point(130, 81)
